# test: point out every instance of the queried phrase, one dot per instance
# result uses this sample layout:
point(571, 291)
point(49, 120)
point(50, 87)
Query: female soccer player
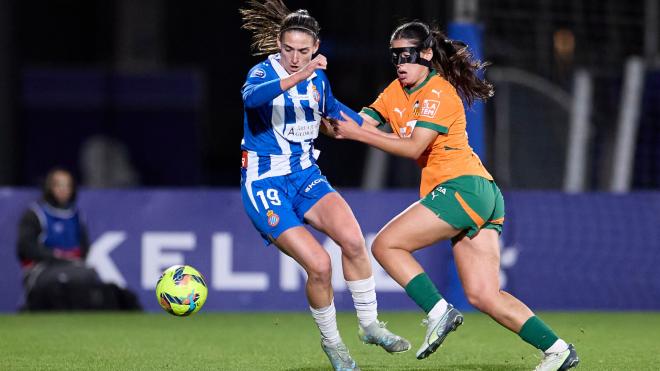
point(460, 201)
point(284, 98)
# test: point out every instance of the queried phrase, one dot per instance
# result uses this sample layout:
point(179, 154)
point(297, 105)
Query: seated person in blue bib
point(52, 247)
point(51, 229)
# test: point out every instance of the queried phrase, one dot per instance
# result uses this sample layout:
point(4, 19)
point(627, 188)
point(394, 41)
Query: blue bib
point(60, 228)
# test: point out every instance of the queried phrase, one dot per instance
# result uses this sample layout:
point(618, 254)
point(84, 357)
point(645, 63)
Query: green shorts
point(468, 203)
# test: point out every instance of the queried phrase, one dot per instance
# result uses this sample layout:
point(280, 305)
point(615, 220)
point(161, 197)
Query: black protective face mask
point(413, 57)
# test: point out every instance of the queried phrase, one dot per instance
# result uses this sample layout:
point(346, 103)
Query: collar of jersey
point(431, 74)
point(281, 72)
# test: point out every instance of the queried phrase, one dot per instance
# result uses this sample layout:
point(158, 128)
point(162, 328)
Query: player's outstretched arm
point(372, 125)
point(368, 120)
point(411, 147)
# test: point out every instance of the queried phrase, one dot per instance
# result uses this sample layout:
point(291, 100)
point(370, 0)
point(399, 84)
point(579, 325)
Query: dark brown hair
point(451, 59)
point(268, 21)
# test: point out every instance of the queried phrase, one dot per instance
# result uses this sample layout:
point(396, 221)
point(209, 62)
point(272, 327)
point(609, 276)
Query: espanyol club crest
point(273, 219)
point(315, 93)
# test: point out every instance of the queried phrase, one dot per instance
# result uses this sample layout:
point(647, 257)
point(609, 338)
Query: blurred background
point(147, 93)
point(141, 101)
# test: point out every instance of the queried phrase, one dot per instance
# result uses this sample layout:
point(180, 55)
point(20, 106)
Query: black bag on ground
point(66, 286)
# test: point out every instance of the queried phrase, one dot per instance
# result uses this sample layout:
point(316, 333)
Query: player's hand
point(346, 128)
point(328, 127)
point(320, 62)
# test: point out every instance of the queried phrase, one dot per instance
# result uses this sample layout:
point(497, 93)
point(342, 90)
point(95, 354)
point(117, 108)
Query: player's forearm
point(292, 80)
point(368, 120)
point(337, 107)
point(375, 130)
point(404, 147)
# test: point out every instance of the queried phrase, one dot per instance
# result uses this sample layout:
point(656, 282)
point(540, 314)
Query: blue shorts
point(276, 204)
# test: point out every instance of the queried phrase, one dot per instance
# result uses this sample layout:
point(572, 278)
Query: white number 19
point(271, 195)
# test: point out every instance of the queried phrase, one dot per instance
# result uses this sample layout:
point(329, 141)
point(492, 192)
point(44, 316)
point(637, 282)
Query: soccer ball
point(181, 290)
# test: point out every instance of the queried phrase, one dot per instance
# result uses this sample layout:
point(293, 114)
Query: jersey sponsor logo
point(429, 108)
point(416, 109)
point(406, 131)
point(273, 219)
point(399, 111)
point(312, 184)
point(258, 72)
point(295, 96)
point(299, 133)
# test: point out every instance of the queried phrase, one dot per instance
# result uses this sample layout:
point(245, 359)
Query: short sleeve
point(377, 110)
point(438, 110)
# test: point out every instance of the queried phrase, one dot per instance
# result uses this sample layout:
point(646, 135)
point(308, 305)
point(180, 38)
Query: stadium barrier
point(559, 251)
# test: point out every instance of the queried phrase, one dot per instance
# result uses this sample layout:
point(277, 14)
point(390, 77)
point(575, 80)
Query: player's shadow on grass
point(413, 367)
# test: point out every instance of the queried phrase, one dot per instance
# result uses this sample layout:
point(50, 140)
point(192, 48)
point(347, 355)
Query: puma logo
point(437, 93)
point(400, 112)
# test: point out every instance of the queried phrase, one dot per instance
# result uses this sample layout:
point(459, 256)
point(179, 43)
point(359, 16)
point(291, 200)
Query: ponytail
point(268, 20)
point(451, 59)
point(455, 62)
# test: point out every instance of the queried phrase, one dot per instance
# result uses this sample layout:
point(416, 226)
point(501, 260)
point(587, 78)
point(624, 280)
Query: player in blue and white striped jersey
point(285, 97)
point(280, 125)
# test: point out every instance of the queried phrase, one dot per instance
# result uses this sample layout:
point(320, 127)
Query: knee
point(352, 245)
point(381, 247)
point(320, 271)
point(482, 299)
point(378, 249)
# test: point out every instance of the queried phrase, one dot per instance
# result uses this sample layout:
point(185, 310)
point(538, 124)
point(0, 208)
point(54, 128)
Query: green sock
point(423, 292)
point(537, 333)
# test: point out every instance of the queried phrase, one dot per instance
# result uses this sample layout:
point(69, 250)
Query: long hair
point(268, 20)
point(451, 59)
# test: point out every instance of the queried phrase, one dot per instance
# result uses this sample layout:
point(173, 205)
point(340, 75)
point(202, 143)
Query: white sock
point(438, 309)
point(364, 299)
point(326, 320)
point(558, 346)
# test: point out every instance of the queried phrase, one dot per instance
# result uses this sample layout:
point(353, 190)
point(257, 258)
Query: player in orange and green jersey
point(460, 200)
point(435, 105)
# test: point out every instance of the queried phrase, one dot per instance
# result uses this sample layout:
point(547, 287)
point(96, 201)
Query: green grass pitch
point(290, 341)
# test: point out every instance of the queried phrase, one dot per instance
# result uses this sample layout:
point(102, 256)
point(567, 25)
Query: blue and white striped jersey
point(280, 127)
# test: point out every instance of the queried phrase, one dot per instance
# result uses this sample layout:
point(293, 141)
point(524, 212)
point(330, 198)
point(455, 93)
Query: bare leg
point(415, 228)
point(303, 248)
point(332, 216)
point(478, 264)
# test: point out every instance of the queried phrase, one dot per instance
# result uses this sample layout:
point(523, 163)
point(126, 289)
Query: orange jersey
point(433, 105)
